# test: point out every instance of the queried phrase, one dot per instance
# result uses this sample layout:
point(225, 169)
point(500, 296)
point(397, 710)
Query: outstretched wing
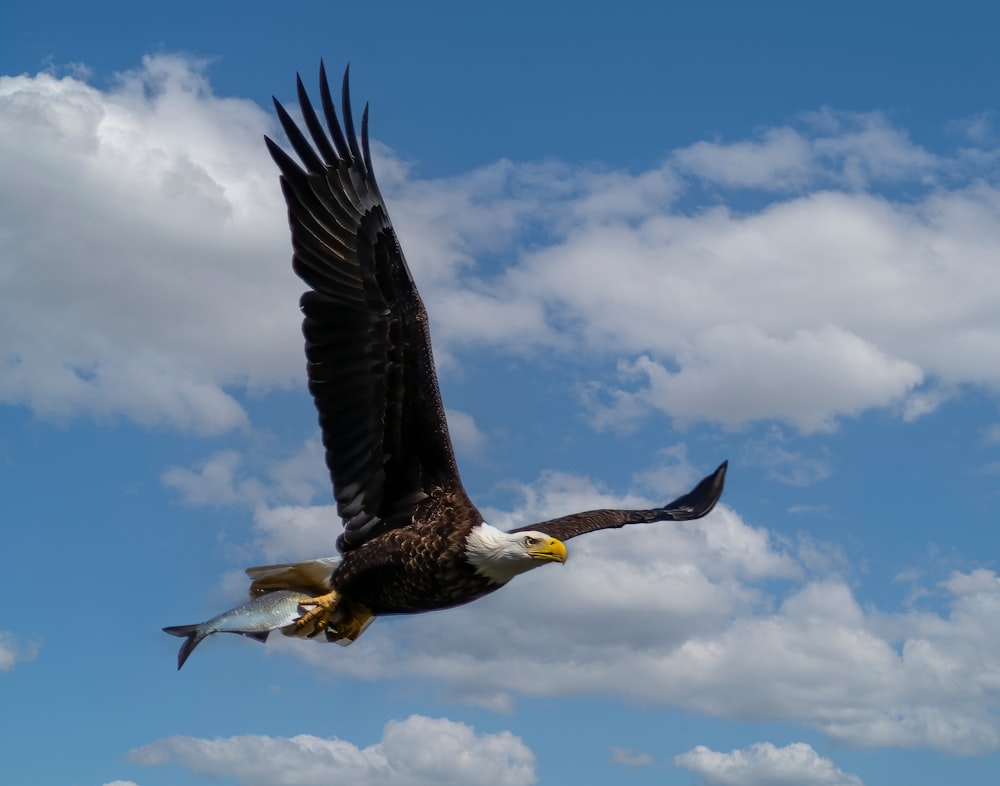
point(368, 349)
point(693, 505)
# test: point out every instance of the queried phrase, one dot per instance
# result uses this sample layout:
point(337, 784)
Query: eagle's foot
point(321, 610)
point(354, 621)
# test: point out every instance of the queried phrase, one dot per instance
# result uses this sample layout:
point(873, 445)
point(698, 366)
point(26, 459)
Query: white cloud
point(627, 757)
point(712, 615)
point(229, 477)
point(812, 308)
point(764, 764)
point(146, 274)
point(302, 476)
point(978, 129)
point(465, 433)
point(212, 483)
point(785, 465)
point(691, 578)
point(862, 147)
point(687, 611)
point(121, 783)
point(781, 159)
point(923, 402)
point(296, 532)
point(15, 649)
point(811, 378)
point(671, 476)
point(418, 751)
point(978, 582)
point(844, 149)
point(145, 264)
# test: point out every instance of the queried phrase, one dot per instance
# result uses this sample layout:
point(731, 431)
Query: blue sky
point(648, 240)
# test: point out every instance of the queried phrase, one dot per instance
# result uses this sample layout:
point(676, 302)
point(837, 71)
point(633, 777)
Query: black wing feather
point(330, 112)
point(369, 362)
point(693, 505)
point(312, 123)
point(352, 138)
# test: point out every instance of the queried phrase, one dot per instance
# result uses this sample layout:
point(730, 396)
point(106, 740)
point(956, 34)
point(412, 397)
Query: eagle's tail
point(312, 576)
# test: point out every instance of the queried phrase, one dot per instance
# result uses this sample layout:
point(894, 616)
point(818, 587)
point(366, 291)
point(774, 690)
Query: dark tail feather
point(193, 640)
point(697, 502)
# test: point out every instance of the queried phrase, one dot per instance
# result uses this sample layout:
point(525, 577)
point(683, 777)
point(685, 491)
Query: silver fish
point(255, 619)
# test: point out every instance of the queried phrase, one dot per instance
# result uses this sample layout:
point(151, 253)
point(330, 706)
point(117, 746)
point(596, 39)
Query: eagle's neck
point(495, 554)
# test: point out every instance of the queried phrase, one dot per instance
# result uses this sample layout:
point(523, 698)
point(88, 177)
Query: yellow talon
point(354, 623)
point(341, 619)
point(321, 610)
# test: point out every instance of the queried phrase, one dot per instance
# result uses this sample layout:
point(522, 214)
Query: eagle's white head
point(500, 556)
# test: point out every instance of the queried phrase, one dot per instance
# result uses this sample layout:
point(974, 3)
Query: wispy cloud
point(773, 453)
point(627, 757)
point(17, 649)
point(992, 434)
point(465, 433)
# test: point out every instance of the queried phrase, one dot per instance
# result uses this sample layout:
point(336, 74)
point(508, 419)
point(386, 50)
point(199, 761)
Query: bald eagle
point(412, 540)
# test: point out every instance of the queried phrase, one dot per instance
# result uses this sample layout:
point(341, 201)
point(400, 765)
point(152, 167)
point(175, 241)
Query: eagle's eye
point(529, 540)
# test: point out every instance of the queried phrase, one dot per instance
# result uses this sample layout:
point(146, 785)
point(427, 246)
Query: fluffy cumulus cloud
point(418, 751)
point(16, 649)
point(809, 382)
point(764, 764)
point(143, 241)
point(714, 615)
point(144, 270)
point(823, 301)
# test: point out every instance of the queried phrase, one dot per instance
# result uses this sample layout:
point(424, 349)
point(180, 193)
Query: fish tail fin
point(312, 576)
point(193, 633)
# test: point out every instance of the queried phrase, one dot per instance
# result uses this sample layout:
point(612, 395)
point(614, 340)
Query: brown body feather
point(420, 567)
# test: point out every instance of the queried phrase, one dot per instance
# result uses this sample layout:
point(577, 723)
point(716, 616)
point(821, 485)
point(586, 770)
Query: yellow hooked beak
point(549, 550)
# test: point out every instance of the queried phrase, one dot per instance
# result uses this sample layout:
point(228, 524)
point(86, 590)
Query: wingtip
point(348, 115)
point(701, 499)
point(710, 489)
